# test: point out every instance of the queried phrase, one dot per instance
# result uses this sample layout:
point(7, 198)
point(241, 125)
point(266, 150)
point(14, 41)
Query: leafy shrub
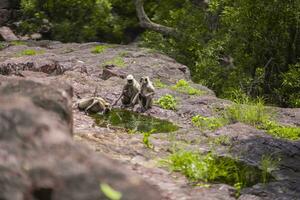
point(167, 102)
point(208, 123)
point(184, 87)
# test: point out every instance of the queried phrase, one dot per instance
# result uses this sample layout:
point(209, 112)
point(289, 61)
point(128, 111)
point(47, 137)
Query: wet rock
point(39, 159)
point(7, 34)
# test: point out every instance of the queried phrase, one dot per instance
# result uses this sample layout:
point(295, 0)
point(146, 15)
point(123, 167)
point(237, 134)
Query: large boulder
point(40, 161)
point(7, 34)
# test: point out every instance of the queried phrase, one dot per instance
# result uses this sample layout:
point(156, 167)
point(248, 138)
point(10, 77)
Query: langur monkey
point(146, 93)
point(94, 105)
point(129, 93)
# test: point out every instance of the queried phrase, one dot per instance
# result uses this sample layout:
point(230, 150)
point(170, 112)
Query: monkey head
point(145, 80)
point(130, 79)
point(107, 107)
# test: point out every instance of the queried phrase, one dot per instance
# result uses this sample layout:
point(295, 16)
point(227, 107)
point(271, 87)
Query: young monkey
point(146, 93)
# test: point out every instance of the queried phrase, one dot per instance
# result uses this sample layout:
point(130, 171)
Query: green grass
point(268, 164)
point(281, 131)
point(211, 168)
point(99, 49)
point(30, 52)
point(253, 113)
point(146, 140)
point(158, 84)
point(2, 45)
point(167, 102)
point(184, 87)
point(208, 123)
point(117, 61)
point(18, 43)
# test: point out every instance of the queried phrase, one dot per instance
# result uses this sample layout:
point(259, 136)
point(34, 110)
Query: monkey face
point(129, 82)
point(130, 79)
point(144, 80)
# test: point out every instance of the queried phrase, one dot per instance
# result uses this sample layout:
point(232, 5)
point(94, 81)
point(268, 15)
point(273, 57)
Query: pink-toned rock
point(7, 34)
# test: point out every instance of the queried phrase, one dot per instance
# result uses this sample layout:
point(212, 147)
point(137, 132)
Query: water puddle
point(134, 121)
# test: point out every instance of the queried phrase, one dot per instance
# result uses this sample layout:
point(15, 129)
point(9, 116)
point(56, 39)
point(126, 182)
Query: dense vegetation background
point(249, 46)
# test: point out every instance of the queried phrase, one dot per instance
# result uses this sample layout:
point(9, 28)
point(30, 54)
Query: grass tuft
point(30, 52)
point(99, 49)
point(208, 123)
point(184, 87)
point(117, 61)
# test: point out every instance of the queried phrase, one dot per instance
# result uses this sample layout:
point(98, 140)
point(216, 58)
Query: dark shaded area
point(42, 193)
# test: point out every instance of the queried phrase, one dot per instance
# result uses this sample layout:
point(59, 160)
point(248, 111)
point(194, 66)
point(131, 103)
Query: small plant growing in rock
point(158, 84)
point(30, 52)
point(99, 49)
point(167, 102)
point(208, 123)
point(268, 164)
point(146, 140)
point(184, 87)
point(117, 61)
point(18, 43)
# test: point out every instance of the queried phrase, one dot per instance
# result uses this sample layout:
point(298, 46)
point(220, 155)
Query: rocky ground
point(77, 66)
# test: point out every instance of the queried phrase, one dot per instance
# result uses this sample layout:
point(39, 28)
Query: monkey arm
point(123, 92)
point(116, 101)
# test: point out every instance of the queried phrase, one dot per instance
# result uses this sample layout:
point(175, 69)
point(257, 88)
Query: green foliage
point(184, 87)
point(30, 52)
point(235, 45)
point(167, 102)
point(99, 49)
point(146, 141)
point(221, 140)
point(72, 20)
point(208, 123)
point(268, 164)
point(18, 43)
point(118, 61)
point(109, 192)
point(2, 46)
point(158, 84)
point(256, 114)
point(210, 168)
point(253, 114)
point(291, 86)
point(281, 131)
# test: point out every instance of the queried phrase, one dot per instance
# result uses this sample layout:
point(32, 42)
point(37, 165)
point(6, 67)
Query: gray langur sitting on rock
point(94, 105)
point(146, 93)
point(129, 93)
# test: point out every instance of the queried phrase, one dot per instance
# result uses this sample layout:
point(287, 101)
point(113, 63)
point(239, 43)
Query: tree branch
point(145, 22)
